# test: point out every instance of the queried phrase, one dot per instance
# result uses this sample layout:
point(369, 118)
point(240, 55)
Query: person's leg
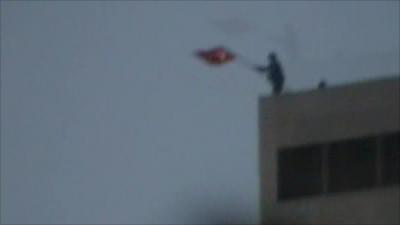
point(277, 87)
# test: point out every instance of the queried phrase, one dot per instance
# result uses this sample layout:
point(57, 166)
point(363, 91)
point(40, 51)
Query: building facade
point(331, 156)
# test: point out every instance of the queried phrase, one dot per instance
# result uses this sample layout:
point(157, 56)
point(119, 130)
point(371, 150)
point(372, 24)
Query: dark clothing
point(322, 84)
point(274, 72)
point(276, 77)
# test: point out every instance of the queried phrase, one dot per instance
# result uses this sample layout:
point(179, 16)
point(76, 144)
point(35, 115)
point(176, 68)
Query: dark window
point(299, 172)
point(352, 164)
point(391, 158)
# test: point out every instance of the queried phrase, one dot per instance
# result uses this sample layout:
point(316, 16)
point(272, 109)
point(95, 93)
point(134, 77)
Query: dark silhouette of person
point(275, 73)
point(322, 84)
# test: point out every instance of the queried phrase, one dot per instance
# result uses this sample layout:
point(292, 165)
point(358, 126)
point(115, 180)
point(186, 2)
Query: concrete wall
point(335, 113)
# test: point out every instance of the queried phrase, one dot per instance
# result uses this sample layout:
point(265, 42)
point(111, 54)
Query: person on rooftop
point(275, 73)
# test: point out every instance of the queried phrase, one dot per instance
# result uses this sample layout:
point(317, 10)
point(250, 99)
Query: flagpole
point(247, 63)
point(244, 61)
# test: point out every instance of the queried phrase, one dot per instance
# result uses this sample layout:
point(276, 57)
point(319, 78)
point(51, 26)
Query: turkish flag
point(216, 56)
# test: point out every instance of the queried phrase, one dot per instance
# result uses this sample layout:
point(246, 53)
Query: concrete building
point(331, 156)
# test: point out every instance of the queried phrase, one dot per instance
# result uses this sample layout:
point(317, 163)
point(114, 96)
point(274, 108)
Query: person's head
point(272, 57)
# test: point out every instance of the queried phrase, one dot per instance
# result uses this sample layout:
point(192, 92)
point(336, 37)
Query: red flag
point(216, 56)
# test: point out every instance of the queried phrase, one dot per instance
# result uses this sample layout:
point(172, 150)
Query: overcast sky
point(106, 116)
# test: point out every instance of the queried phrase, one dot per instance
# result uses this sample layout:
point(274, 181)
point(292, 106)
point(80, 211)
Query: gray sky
point(106, 116)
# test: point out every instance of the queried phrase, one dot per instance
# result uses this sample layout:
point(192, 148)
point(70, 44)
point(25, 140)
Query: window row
point(345, 165)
